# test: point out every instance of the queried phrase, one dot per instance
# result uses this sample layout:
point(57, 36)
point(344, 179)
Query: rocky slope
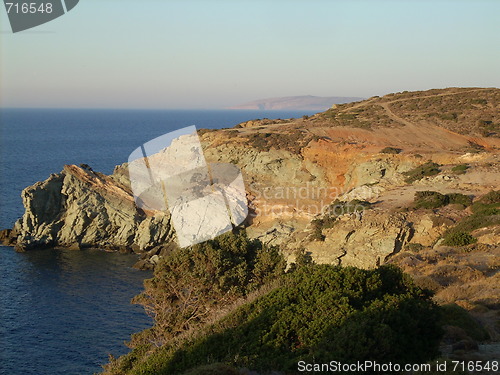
point(293, 171)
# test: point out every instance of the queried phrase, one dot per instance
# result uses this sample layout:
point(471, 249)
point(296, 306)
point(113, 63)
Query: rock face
point(80, 208)
point(363, 240)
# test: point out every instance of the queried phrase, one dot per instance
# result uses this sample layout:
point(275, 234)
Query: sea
point(62, 311)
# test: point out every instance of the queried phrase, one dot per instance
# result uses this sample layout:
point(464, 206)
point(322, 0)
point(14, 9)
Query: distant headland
point(306, 102)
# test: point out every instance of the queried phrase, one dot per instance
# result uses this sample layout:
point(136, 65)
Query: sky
point(214, 54)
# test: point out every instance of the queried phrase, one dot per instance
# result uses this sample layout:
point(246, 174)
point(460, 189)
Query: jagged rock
point(7, 237)
point(365, 240)
point(80, 208)
point(277, 235)
point(373, 171)
point(143, 264)
point(365, 192)
point(426, 230)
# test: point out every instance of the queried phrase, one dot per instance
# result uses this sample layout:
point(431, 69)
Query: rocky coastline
point(332, 156)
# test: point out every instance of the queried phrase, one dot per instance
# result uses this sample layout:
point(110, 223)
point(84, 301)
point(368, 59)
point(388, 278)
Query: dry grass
point(468, 276)
point(465, 112)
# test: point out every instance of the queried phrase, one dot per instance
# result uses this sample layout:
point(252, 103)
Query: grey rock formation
point(362, 240)
point(79, 208)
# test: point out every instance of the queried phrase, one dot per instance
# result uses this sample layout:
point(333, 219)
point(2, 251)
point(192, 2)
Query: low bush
point(487, 128)
point(213, 369)
point(429, 199)
point(449, 116)
point(481, 219)
point(433, 199)
point(479, 101)
point(292, 141)
point(485, 213)
point(428, 169)
point(457, 198)
point(390, 150)
point(458, 239)
point(191, 283)
point(493, 197)
point(302, 259)
point(317, 229)
point(454, 315)
point(321, 312)
point(460, 169)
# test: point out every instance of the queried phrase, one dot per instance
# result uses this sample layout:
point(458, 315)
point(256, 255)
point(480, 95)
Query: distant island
point(306, 102)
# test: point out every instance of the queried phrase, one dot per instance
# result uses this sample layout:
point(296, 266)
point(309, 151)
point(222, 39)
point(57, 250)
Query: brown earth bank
point(343, 185)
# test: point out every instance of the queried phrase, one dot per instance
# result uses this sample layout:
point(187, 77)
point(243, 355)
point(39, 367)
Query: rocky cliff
point(294, 170)
point(79, 208)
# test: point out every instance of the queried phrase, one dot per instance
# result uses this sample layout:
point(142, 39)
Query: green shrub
point(486, 212)
point(458, 239)
point(347, 116)
point(433, 199)
point(204, 277)
point(493, 197)
point(487, 128)
point(302, 259)
point(479, 101)
point(454, 315)
point(481, 219)
point(213, 369)
point(449, 116)
point(336, 209)
point(317, 230)
point(429, 199)
point(457, 198)
point(320, 313)
point(292, 141)
point(460, 169)
point(474, 147)
point(390, 150)
point(428, 169)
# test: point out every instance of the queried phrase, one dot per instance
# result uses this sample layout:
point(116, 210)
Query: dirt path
point(394, 117)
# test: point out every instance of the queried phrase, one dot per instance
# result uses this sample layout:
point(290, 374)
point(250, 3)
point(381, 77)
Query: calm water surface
point(63, 312)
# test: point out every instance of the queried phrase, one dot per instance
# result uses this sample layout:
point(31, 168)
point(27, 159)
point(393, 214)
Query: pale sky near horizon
point(214, 54)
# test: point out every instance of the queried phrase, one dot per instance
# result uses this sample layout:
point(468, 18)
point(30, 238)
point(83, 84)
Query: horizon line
point(152, 109)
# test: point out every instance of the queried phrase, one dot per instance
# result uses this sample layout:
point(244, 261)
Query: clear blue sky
point(212, 54)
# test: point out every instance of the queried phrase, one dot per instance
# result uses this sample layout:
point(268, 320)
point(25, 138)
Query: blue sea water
point(63, 312)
